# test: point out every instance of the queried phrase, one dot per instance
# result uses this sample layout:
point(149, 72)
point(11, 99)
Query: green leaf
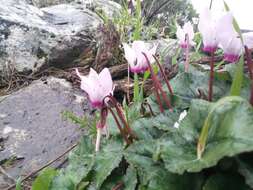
point(130, 179)
point(245, 167)
point(45, 178)
point(106, 161)
point(154, 127)
point(186, 86)
point(238, 79)
point(230, 133)
point(225, 181)
point(81, 162)
point(19, 184)
point(136, 88)
point(152, 173)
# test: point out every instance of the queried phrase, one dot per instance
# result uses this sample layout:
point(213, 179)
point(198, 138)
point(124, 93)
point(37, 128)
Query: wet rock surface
point(33, 38)
point(32, 128)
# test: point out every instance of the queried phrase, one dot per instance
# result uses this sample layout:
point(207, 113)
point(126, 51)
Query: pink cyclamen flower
point(248, 39)
point(229, 39)
point(208, 29)
point(135, 58)
point(182, 32)
point(232, 48)
point(97, 86)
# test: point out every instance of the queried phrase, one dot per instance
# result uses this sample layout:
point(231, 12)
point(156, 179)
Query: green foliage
point(225, 181)
point(43, 181)
point(238, 79)
point(18, 184)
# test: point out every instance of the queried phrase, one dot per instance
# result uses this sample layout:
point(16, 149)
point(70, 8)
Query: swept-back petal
point(130, 54)
point(180, 34)
point(188, 29)
point(225, 27)
point(139, 46)
point(105, 78)
point(248, 39)
point(205, 18)
point(152, 52)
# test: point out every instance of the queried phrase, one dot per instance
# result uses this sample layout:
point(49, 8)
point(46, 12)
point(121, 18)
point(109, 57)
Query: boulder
point(32, 38)
point(33, 129)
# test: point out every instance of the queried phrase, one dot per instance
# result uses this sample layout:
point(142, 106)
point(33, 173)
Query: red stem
point(210, 93)
point(164, 75)
point(250, 68)
point(122, 117)
point(119, 127)
point(154, 79)
point(157, 84)
point(187, 60)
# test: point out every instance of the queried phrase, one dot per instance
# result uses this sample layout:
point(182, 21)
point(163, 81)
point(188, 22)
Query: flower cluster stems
point(158, 87)
point(211, 79)
point(125, 131)
point(187, 54)
point(164, 75)
point(250, 68)
point(99, 134)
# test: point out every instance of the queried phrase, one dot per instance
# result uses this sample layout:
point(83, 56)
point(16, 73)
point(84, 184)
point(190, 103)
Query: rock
point(111, 8)
point(47, 3)
point(32, 125)
point(33, 38)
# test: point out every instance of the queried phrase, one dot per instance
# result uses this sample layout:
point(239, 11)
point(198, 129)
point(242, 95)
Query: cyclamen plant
point(136, 59)
point(99, 88)
point(185, 36)
point(140, 58)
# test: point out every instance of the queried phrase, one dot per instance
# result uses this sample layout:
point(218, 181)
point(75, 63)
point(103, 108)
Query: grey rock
point(33, 127)
point(33, 38)
point(47, 3)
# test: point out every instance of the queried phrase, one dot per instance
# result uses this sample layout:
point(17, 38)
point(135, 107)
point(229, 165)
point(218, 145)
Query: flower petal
point(225, 27)
point(105, 78)
point(180, 34)
point(139, 46)
point(188, 29)
point(248, 39)
point(130, 54)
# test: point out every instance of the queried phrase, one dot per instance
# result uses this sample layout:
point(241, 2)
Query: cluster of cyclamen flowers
point(215, 33)
point(140, 57)
point(99, 88)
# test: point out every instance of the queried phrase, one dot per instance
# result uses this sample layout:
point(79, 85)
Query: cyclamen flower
point(97, 86)
point(135, 58)
point(208, 29)
point(232, 48)
point(228, 39)
point(182, 32)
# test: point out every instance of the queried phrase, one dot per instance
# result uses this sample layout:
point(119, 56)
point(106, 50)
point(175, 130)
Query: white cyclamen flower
point(97, 86)
point(136, 59)
point(182, 32)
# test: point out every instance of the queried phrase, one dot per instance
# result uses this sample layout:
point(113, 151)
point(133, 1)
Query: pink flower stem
point(187, 54)
point(98, 139)
point(210, 92)
point(164, 75)
point(158, 86)
point(154, 79)
point(122, 132)
point(122, 117)
point(250, 68)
